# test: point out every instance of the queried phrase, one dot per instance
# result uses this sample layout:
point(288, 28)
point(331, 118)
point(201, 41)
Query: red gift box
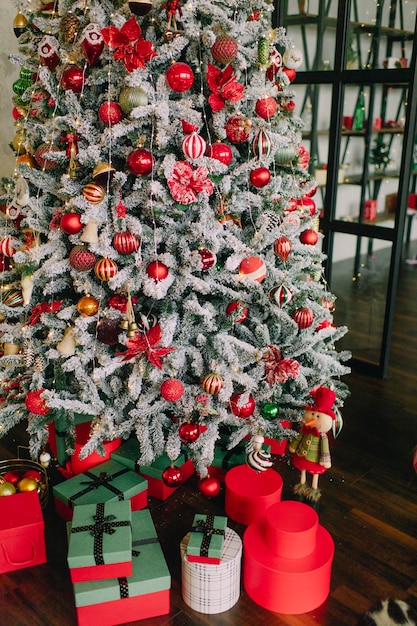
point(158, 489)
point(277, 447)
point(121, 611)
point(22, 535)
point(369, 213)
point(249, 494)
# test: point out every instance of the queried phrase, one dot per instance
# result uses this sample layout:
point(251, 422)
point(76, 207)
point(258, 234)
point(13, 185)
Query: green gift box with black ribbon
point(107, 482)
point(144, 594)
point(207, 539)
point(100, 541)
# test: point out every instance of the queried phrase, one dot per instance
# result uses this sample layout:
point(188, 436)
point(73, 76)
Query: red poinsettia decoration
point(129, 45)
point(224, 86)
point(145, 345)
point(277, 369)
point(43, 307)
point(185, 182)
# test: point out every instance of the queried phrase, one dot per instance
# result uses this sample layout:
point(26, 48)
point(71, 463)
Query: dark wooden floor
point(369, 505)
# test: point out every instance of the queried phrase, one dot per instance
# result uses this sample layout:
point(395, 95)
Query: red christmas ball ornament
point(110, 112)
point(140, 162)
point(94, 193)
point(194, 146)
point(253, 267)
point(309, 237)
point(157, 270)
point(224, 50)
point(209, 486)
point(238, 128)
point(11, 477)
point(221, 152)
point(260, 177)
point(108, 331)
point(180, 77)
point(266, 107)
point(242, 410)
point(72, 79)
point(35, 403)
point(303, 317)
point(42, 160)
point(237, 310)
point(307, 206)
point(290, 72)
point(212, 383)
point(125, 242)
point(82, 259)
point(105, 269)
point(70, 223)
point(172, 476)
point(208, 258)
point(282, 247)
point(189, 432)
point(172, 389)
point(8, 246)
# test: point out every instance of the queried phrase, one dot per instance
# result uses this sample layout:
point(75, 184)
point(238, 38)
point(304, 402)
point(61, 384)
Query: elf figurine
point(311, 447)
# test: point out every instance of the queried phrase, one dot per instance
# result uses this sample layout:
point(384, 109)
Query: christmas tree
point(160, 252)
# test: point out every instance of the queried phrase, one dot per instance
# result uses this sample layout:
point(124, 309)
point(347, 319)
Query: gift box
point(207, 539)
point(109, 481)
point(288, 559)
point(100, 541)
point(209, 588)
point(22, 534)
point(144, 594)
point(249, 494)
point(369, 211)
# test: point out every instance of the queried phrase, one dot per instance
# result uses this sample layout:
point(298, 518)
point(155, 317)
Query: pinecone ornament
point(28, 353)
point(39, 363)
point(69, 27)
point(224, 49)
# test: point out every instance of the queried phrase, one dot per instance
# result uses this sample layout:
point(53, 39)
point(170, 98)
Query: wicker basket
point(23, 465)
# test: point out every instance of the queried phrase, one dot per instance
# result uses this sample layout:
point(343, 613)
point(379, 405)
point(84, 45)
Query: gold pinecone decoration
point(69, 27)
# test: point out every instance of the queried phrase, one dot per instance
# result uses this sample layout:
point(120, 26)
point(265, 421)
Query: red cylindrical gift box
point(82, 433)
point(290, 584)
point(249, 494)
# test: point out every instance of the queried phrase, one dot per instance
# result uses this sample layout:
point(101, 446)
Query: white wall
point(8, 73)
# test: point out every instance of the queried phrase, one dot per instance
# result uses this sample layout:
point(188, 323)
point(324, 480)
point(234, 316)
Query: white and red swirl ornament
point(194, 146)
point(185, 183)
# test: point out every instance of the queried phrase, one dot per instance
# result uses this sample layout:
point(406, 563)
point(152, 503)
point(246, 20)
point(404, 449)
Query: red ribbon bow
point(130, 46)
point(44, 307)
point(185, 183)
point(224, 86)
point(144, 345)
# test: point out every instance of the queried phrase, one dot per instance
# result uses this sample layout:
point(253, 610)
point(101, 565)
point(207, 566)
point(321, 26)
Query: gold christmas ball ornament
point(28, 484)
point(20, 24)
point(7, 489)
point(94, 193)
point(132, 97)
point(87, 306)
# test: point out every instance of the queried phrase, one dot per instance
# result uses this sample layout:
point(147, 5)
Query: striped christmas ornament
point(94, 193)
point(13, 298)
point(282, 247)
point(8, 246)
point(105, 269)
point(303, 317)
point(194, 146)
point(212, 383)
point(262, 145)
point(282, 295)
point(252, 267)
point(125, 242)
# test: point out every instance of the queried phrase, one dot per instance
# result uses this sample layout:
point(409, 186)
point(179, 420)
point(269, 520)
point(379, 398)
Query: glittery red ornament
point(282, 247)
point(303, 317)
point(125, 242)
point(209, 486)
point(72, 79)
point(180, 77)
point(189, 432)
point(260, 177)
point(309, 237)
point(266, 107)
point(140, 162)
point(110, 112)
point(172, 476)
point(224, 50)
point(108, 331)
point(82, 259)
point(242, 410)
point(221, 152)
point(42, 160)
point(35, 404)
point(208, 258)
point(157, 270)
point(212, 383)
point(71, 223)
point(238, 310)
point(172, 389)
point(105, 269)
point(238, 128)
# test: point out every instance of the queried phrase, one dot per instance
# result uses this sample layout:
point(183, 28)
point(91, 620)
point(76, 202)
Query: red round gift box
point(249, 494)
point(288, 559)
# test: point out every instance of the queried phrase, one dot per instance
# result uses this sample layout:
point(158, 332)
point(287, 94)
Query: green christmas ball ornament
point(132, 97)
point(270, 411)
point(285, 154)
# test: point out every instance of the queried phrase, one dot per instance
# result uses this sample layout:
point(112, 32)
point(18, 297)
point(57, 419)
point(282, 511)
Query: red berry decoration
point(194, 146)
point(221, 152)
point(266, 107)
point(309, 237)
point(209, 486)
point(172, 476)
point(238, 310)
point(239, 409)
point(224, 50)
point(282, 247)
point(212, 383)
point(303, 317)
point(72, 79)
point(208, 258)
point(110, 112)
point(260, 177)
point(157, 270)
point(238, 128)
point(82, 259)
point(172, 389)
point(94, 193)
point(105, 269)
point(180, 77)
point(71, 223)
point(35, 404)
point(140, 162)
point(125, 242)
point(189, 432)
point(253, 267)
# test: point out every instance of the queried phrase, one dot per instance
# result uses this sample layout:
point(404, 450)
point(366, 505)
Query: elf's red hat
point(324, 399)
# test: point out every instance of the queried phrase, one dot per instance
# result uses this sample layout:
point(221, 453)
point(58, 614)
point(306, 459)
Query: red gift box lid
point(20, 509)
